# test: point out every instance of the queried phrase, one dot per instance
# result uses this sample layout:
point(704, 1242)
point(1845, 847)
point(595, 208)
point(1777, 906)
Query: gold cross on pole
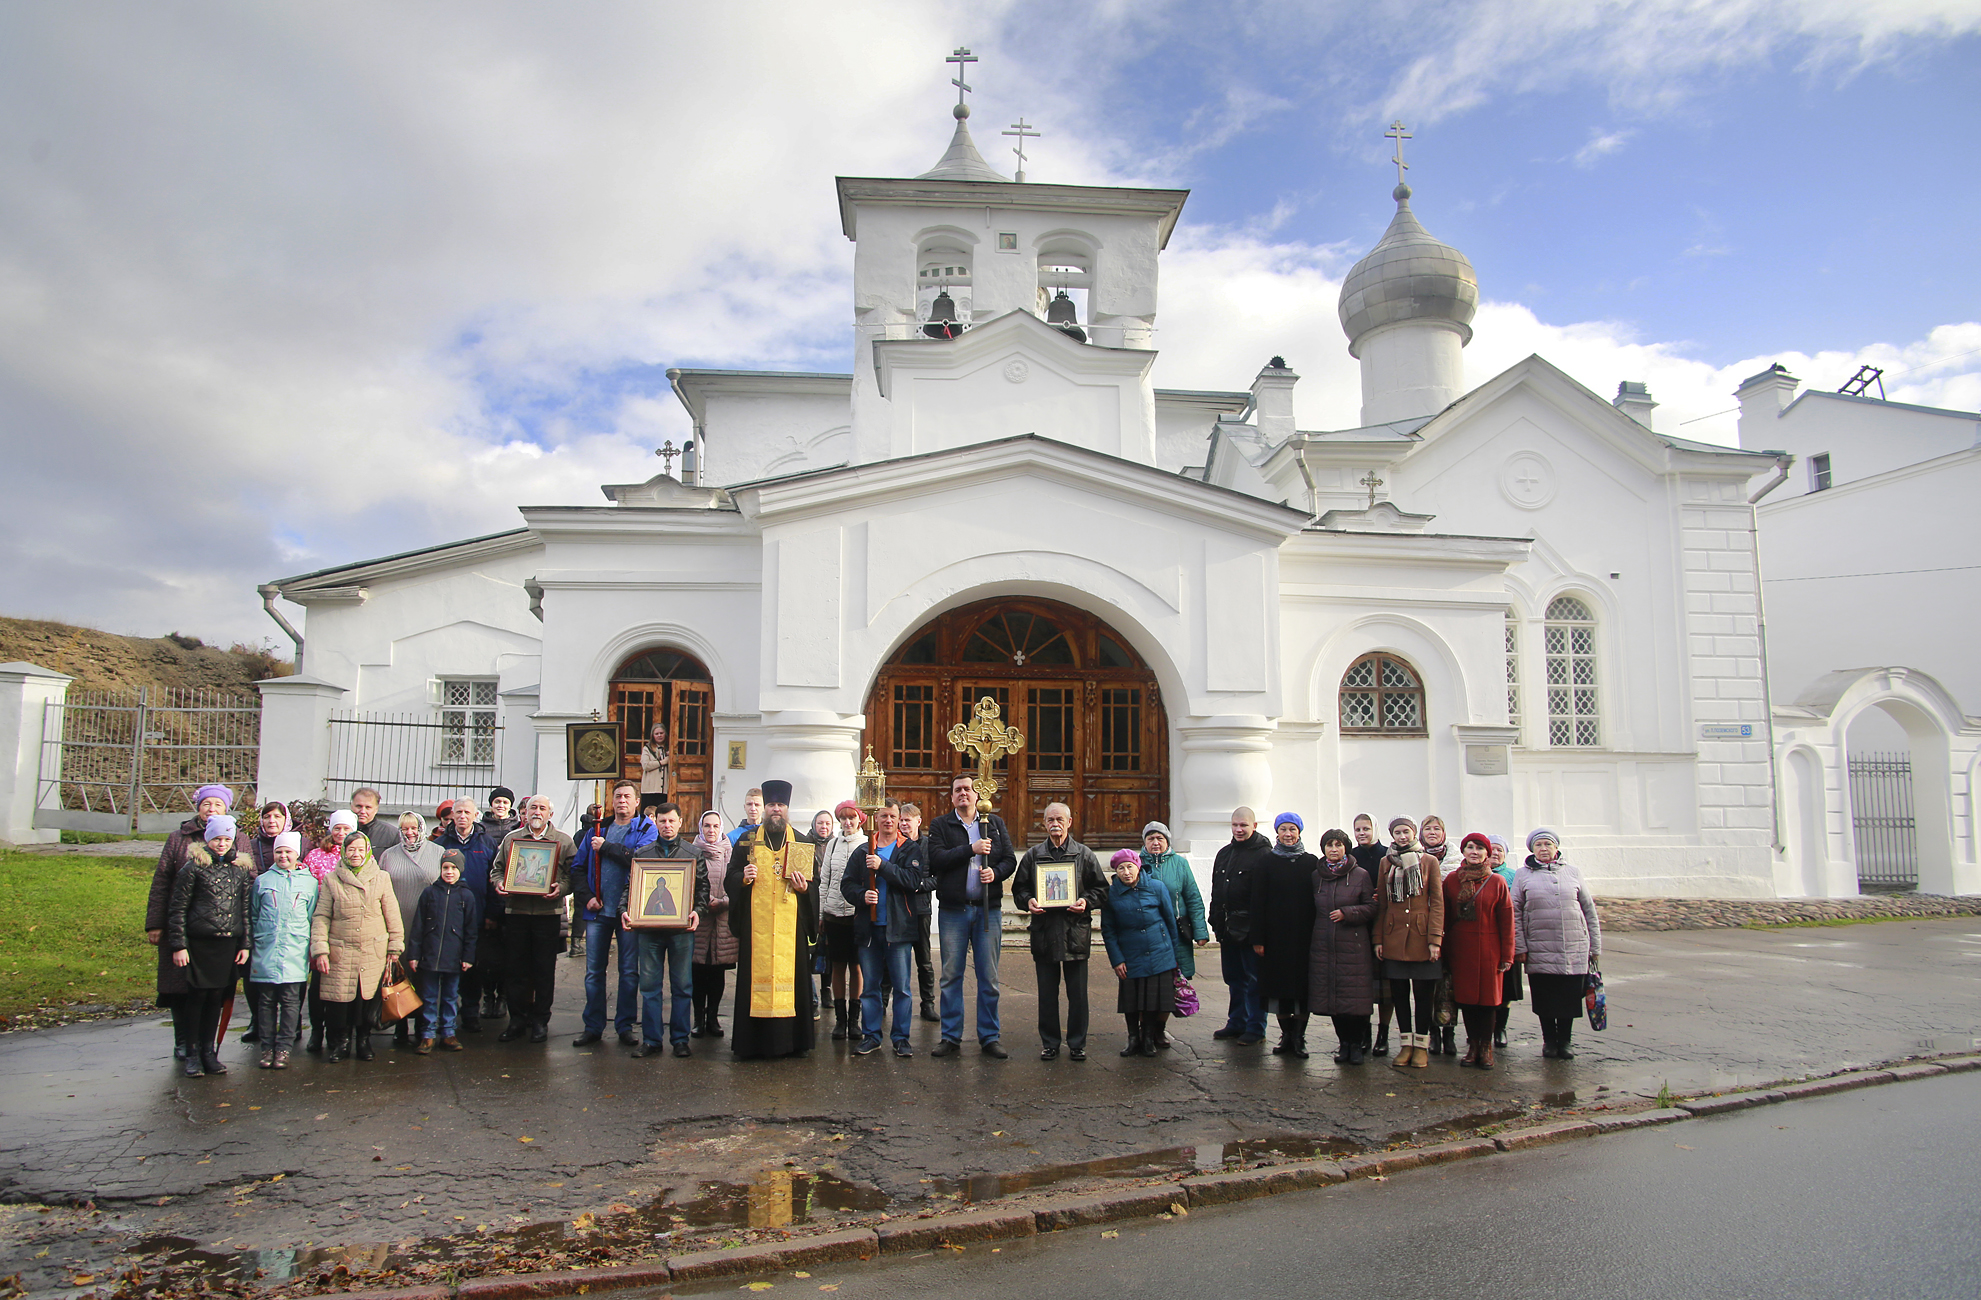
point(989, 740)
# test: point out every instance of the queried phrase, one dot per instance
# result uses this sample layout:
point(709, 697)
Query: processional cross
point(1397, 133)
point(989, 739)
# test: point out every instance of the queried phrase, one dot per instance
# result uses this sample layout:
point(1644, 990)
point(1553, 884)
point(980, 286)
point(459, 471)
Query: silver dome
point(1408, 275)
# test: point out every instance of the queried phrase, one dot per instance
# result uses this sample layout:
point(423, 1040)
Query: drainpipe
point(1782, 461)
point(269, 591)
point(1761, 631)
point(1313, 493)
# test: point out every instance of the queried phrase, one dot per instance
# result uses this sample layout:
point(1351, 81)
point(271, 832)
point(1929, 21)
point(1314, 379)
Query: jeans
point(1241, 975)
point(600, 933)
point(1076, 1003)
point(278, 1013)
point(666, 954)
point(966, 930)
point(441, 998)
point(885, 967)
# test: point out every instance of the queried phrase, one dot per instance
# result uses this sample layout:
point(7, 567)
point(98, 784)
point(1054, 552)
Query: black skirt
point(1143, 993)
point(211, 963)
point(1558, 997)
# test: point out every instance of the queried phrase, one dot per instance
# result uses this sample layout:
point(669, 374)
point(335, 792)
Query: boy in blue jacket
point(441, 945)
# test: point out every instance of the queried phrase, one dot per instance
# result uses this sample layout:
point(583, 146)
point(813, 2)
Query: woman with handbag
point(1181, 882)
point(1283, 932)
point(354, 938)
point(1138, 927)
point(1556, 936)
point(1478, 944)
point(1410, 939)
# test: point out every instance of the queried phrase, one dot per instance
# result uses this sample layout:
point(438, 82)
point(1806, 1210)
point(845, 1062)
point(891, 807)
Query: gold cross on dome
point(989, 740)
point(1397, 133)
point(667, 452)
point(1371, 482)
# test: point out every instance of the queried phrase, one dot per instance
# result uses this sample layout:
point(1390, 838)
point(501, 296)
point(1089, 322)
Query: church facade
point(1511, 607)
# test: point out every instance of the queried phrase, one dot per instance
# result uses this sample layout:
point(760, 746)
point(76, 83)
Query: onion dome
point(1408, 276)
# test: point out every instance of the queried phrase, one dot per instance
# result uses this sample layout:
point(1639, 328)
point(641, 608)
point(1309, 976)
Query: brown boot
point(1406, 1047)
point(1485, 1058)
point(1471, 1057)
point(1420, 1055)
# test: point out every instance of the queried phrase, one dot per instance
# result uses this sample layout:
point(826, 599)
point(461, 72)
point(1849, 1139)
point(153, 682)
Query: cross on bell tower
point(962, 58)
point(1022, 131)
point(1398, 133)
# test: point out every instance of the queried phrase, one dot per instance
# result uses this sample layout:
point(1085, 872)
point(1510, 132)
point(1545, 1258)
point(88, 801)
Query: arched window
point(1381, 695)
point(1569, 637)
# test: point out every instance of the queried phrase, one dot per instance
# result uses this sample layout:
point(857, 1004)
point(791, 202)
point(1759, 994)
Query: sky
point(287, 285)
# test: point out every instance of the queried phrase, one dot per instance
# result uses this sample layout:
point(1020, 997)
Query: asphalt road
point(510, 1135)
point(1867, 1193)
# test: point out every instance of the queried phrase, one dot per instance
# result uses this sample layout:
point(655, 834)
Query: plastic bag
point(1595, 1001)
point(1186, 998)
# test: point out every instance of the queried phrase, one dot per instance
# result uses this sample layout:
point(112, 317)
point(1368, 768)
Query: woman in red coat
point(1478, 944)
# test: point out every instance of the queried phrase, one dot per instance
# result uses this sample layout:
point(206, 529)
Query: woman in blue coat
point(1138, 925)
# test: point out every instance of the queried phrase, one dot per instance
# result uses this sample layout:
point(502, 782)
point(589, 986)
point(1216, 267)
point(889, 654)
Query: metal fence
point(129, 761)
point(1881, 821)
point(413, 760)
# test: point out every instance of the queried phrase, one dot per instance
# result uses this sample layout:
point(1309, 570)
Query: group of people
point(1367, 926)
point(841, 915)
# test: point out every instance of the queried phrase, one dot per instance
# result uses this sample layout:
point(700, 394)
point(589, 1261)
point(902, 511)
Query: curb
point(1059, 1214)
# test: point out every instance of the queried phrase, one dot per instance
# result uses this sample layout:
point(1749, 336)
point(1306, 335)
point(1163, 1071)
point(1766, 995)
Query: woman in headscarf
point(1340, 965)
point(715, 942)
point(1138, 926)
point(1409, 938)
point(1283, 931)
point(209, 801)
point(1478, 944)
point(1173, 869)
point(1556, 936)
point(411, 865)
point(1510, 989)
point(1433, 842)
point(354, 937)
point(208, 935)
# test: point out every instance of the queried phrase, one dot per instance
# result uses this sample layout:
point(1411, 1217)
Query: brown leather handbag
point(398, 999)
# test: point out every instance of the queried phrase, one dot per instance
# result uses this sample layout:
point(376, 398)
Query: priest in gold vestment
point(774, 914)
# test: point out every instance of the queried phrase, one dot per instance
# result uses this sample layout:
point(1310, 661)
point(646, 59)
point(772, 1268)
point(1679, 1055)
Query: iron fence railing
point(1881, 821)
point(129, 761)
point(413, 760)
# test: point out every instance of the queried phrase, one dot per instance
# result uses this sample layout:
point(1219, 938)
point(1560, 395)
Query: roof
point(1408, 275)
point(1105, 200)
point(1949, 412)
point(962, 162)
point(513, 539)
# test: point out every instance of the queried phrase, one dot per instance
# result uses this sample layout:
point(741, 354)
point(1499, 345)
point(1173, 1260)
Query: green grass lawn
point(72, 930)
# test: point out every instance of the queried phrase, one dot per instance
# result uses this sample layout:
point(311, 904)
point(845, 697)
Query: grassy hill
point(106, 661)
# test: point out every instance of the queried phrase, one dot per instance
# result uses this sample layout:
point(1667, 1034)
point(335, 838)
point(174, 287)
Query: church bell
point(942, 317)
point(1062, 315)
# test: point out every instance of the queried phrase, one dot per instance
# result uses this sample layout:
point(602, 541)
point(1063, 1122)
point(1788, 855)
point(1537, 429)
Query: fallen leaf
point(42, 1253)
point(801, 1273)
point(757, 1286)
point(223, 1105)
point(254, 1108)
point(1681, 1146)
point(1178, 1210)
point(325, 1115)
point(997, 1133)
point(526, 1139)
point(83, 1279)
point(1109, 1235)
point(830, 1286)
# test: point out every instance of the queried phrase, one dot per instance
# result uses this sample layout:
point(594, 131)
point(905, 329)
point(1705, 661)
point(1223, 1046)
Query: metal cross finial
point(1022, 131)
point(989, 739)
point(1371, 482)
point(962, 58)
point(667, 451)
point(1397, 133)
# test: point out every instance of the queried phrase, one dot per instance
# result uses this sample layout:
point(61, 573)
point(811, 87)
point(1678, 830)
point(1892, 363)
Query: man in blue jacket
point(971, 857)
point(604, 864)
point(889, 888)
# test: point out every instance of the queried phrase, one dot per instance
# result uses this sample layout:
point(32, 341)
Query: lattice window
point(1049, 730)
point(1121, 730)
point(467, 721)
point(914, 727)
point(1512, 669)
point(1574, 702)
point(1019, 638)
point(1382, 695)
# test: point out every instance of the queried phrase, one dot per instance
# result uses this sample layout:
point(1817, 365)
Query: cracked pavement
point(503, 1135)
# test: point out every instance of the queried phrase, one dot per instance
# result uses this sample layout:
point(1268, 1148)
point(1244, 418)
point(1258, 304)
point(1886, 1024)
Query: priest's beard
point(774, 829)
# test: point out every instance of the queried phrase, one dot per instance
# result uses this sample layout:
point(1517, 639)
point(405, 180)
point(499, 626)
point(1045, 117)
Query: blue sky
point(290, 286)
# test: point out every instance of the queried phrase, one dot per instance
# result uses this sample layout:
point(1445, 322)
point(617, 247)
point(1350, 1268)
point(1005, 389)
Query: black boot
point(1548, 1040)
point(316, 1038)
point(1340, 1045)
point(1382, 1041)
point(363, 1050)
point(334, 1045)
point(1566, 1032)
point(1152, 1035)
point(1499, 1026)
point(1134, 1047)
point(1358, 1041)
point(1451, 1040)
point(839, 1029)
point(1299, 1044)
point(182, 1037)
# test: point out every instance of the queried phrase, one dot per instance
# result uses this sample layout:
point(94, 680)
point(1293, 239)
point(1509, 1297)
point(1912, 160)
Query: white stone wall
point(1722, 628)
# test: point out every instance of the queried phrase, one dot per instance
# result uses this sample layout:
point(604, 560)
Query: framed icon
point(531, 868)
point(1055, 884)
point(591, 751)
point(661, 893)
point(739, 755)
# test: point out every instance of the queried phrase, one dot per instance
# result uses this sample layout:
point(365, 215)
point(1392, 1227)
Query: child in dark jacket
point(441, 944)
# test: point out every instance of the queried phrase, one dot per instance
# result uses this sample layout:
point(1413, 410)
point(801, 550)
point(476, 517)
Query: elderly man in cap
point(773, 912)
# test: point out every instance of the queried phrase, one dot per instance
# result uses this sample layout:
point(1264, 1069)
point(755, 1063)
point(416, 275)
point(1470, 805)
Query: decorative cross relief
point(989, 739)
point(667, 451)
point(1371, 482)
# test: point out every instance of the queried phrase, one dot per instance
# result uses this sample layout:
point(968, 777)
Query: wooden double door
point(674, 690)
point(1096, 736)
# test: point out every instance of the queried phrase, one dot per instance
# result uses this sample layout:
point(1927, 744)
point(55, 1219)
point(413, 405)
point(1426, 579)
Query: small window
point(1512, 669)
point(1574, 716)
point(1381, 695)
point(467, 721)
point(1019, 638)
point(914, 727)
point(1819, 472)
point(1121, 729)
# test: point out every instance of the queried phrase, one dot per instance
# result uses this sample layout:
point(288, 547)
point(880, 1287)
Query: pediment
point(1014, 336)
point(666, 490)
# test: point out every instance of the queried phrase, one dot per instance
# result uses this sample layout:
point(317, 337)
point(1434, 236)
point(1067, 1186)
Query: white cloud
point(1600, 146)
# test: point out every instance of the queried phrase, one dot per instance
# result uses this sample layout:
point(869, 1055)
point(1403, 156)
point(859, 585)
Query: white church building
point(1514, 606)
